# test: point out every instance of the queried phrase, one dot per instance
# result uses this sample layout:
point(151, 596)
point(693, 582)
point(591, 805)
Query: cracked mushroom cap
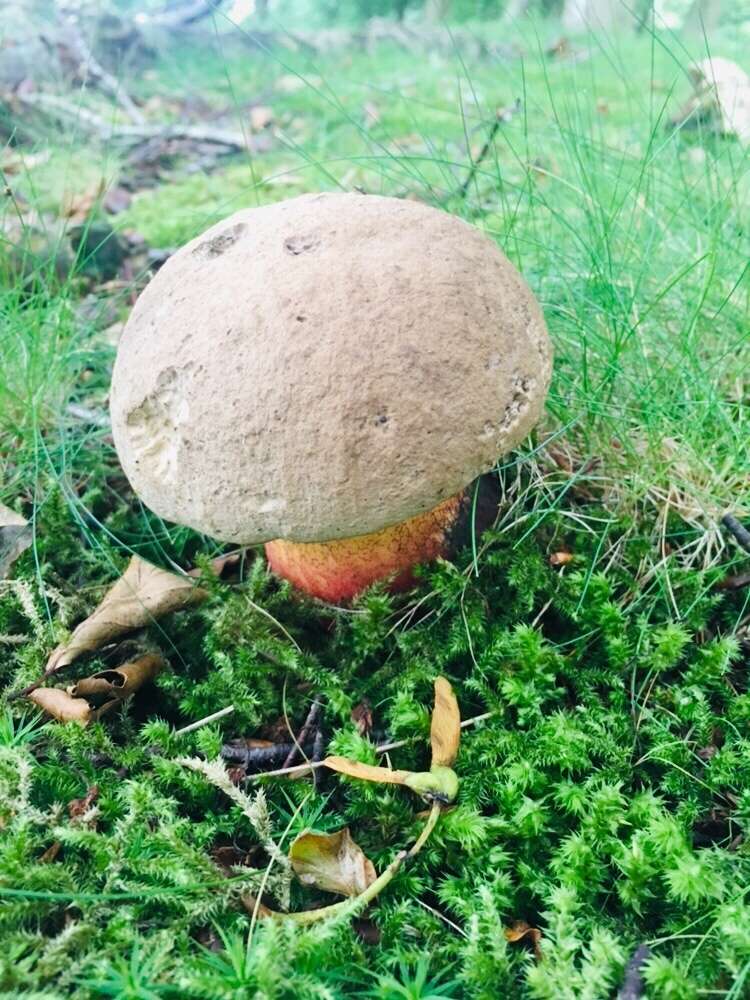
point(325, 367)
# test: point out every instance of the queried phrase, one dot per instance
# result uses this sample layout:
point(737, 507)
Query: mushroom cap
point(325, 367)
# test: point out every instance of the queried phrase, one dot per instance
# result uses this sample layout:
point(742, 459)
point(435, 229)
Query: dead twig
point(309, 727)
point(259, 759)
point(89, 69)
point(205, 722)
point(502, 117)
point(737, 530)
point(128, 135)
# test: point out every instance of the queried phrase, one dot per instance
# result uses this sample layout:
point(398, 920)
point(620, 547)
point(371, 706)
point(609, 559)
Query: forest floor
point(600, 629)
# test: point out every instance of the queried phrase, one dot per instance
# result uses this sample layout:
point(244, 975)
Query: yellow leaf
point(366, 772)
point(332, 862)
point(141, 595)
point(445, 732)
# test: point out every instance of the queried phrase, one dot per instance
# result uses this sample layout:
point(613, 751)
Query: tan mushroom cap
point(325, 367)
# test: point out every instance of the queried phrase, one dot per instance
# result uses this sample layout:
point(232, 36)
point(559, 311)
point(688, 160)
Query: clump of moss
point(604, 800)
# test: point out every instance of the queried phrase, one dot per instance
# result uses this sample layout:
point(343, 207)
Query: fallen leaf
point(252, 906)
point(332, 862)
point(142, 594)
point(728, 583)
point(445, 732)
point(77, 808)
point(261, 117)
point(362, 717)
point(560, 558)
point(520, 930)
point(366, 772)
point(77, 205)
point(367, 931)
point(51, 853)
point(120, 682)
point(116, 200)
point(15, 538)
point(62, 706)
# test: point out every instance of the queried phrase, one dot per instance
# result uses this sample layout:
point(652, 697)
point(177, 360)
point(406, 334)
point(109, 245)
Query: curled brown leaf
point(120, 682)
point(520, 930)
point(62, 706)
point(333, 862)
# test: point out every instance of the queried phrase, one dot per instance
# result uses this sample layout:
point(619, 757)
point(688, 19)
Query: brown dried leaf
point(116, 200)
point(77, 206)
point(142, 594)
point(728, 583)
point(15, 538)
point(520, 930)
point(445, 732)
point(120, 682)
point(362, 717)
point(561, 558)
point(51, 853)
point(332, 862)
point(366, 930)
point(61, 706)
point(252, 906)
point(77, 808)
point(366, 772)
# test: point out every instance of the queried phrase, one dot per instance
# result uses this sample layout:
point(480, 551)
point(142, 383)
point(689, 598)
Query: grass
point(603, 800)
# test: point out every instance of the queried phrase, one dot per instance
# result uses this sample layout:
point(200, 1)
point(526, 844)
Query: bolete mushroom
point(329, 375)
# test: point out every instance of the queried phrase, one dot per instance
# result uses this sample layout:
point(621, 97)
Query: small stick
point(204, 722)
point(503, 116)
point(318, 752)
point(310, 725)
point(739, 531)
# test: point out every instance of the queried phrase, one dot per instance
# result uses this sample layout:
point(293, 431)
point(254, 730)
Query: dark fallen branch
point(259, 759)
point(309, 729)
point(633, 986)
point(737, 530)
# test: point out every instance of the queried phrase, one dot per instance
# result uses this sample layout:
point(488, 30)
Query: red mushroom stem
point(337, 571)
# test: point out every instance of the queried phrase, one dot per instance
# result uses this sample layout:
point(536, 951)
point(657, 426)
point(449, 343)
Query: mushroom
point(329, 375)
